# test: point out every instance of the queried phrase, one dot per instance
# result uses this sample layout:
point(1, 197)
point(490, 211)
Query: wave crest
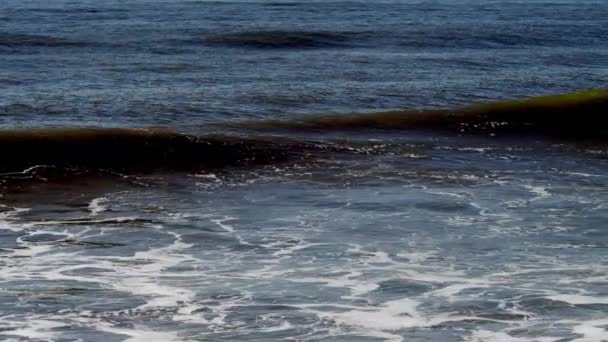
point(37, 153)
point(576, 115)
point(283, 39)
point(138, 150)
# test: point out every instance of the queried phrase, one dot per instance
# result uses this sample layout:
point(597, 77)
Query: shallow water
point(304, 235)
point(481, 243)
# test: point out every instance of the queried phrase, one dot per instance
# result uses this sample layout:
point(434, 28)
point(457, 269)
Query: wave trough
point(283, 39)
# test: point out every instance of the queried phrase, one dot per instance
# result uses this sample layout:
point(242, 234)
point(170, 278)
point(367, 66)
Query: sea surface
point(215, 171)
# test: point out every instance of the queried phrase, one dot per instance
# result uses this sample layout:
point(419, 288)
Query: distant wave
point(462, 38)
point(40, 152)
point(283, 39)
point(27, 40)
point(75, 10)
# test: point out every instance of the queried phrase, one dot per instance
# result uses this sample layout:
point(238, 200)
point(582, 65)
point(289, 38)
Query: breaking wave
point(136, 150)
point(575, 115)
point(41, 152)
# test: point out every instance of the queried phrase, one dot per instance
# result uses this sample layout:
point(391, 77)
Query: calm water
point(394, 236)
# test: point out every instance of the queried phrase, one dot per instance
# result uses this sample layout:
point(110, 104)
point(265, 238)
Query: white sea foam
point(363, 291)
point(461, 221)
point(579, 299)
point(221, 222)
point(466, 149)
point(8, 220)
point(582, 174)
point(98, 205)
point(35, 328)
point(450, 194)
point(282, 326)
point(499, 336)
point(390, 316)
point(417, 257)
point(591, 331)
point(541, 192)
point(210, 176)
point(141, 275)
point(352, 280)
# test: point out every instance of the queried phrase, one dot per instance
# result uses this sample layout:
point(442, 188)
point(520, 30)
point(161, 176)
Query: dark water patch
point(22, 109)
point(281, 4)
point(6, 209)
point(483, 312)
point(49, 286)
point(398, 288)
point(503, 316)
point(292, 100)
point(76, 10)
point(93, 244)
point(284, 39)
point(43, 237)
point(53, 297)
point(170, 51)
point(88, 271)
point(9, 40)
point(167, 68)
point(445, 207)
point(544, 306)
point(373, 207)
point(9, 82)
point(63, 240)
point(599, 307)
point(452, 38)
point(471, 39)
point(88, 222)
point(210, 240)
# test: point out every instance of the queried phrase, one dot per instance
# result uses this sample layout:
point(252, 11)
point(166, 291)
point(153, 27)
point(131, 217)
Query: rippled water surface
point(180, 63)
point(350, 234)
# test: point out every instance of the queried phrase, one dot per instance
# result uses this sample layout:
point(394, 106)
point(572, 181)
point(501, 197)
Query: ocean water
point(214, 171)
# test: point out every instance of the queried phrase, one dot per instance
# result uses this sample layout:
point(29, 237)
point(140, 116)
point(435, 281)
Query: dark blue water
point(180, 63)
point(391, 236)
